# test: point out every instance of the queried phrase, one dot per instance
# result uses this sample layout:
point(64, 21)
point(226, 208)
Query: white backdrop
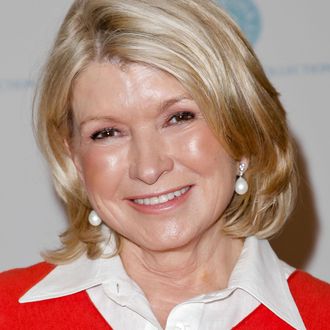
point(292, 41)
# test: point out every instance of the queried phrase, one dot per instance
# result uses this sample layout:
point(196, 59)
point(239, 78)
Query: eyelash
point(181, 116)
point(104, 133)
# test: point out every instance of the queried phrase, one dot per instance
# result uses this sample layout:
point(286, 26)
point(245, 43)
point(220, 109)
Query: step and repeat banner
point(291, 39)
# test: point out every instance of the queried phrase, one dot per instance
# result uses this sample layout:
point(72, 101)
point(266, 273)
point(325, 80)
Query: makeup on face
point(146, 156)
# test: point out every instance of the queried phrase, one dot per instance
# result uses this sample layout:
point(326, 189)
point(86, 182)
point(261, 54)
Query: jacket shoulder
point(74, 311)
point(15, 282)
point(306, 286)
point(312, 297)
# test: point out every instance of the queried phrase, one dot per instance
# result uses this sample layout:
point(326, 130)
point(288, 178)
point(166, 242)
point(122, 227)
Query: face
point(152, 168)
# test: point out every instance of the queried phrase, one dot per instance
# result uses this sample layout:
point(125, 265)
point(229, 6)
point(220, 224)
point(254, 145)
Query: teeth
point(162, 198)
point(154, 200)
point(170, 196)
point(177, 193)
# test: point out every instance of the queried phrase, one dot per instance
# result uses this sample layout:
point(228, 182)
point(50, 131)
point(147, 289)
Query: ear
point(75, 157)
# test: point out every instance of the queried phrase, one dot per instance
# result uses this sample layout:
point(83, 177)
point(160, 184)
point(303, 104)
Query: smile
point(161, 198)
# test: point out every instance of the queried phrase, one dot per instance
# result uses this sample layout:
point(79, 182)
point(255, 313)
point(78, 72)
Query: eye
point(181, 116)
point(105, 133)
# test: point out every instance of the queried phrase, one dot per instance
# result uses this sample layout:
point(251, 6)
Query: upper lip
point(158, 193)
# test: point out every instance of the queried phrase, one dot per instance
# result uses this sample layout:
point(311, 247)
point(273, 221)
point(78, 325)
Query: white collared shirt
point(259, 277)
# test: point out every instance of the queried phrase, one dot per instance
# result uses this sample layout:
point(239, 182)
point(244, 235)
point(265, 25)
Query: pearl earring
point(94, 219)
point(241, 185)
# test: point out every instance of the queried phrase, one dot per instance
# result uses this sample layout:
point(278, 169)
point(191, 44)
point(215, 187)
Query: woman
point(153, 116)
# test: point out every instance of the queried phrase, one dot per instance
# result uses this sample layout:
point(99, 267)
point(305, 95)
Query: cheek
point(202, 152)
point(215, 173)
point(102, 171)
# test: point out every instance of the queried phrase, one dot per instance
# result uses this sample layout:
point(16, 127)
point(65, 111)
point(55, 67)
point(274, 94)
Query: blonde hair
point(197, 43)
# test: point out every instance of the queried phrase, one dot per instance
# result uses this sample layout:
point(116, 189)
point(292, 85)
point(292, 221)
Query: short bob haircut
point(197, 43)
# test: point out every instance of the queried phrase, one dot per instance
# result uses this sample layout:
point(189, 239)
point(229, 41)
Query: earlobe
point(244, 161)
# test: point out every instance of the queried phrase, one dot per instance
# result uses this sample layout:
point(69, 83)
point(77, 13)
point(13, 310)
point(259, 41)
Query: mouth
point(160, 202)
point(161, 199)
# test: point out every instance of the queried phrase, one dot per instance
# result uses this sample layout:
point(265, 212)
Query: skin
point(138, 133)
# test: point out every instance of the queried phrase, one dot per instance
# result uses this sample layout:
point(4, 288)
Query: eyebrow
point(168, 103)
point(163, 106)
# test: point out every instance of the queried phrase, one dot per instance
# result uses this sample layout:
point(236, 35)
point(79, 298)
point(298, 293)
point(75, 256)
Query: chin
point(169, 241)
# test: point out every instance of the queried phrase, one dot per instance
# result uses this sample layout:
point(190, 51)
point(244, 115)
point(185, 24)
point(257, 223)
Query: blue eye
point(181, 116)
point(105, 133)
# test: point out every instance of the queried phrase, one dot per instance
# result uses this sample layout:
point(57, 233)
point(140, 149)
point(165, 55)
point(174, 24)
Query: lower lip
point(161, 207)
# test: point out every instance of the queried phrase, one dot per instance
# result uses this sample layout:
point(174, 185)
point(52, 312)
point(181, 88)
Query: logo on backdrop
point(246, 14)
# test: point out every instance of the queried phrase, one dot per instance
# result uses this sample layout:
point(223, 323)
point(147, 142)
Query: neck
point(173, 276)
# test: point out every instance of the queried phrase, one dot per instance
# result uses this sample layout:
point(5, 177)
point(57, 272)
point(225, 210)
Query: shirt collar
point(79, 275)
point(258, 272)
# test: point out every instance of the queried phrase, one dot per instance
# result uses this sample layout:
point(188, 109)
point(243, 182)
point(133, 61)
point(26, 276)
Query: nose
point(150, 159)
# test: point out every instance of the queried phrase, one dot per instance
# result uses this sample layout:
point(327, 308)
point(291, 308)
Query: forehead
point(105, 86)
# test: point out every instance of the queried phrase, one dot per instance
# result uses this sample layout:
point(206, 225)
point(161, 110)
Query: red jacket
point(76, 311)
